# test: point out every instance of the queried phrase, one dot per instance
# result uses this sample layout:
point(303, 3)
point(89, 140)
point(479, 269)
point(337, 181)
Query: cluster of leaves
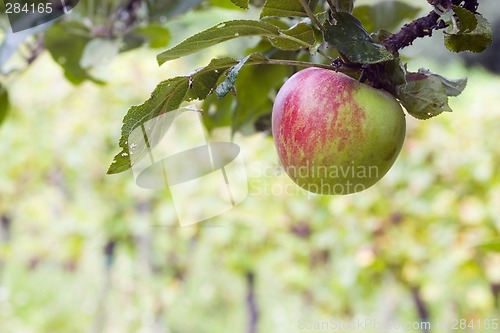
point(301, 33)
point(467, 31)
point(79, 45)
point(92, 35)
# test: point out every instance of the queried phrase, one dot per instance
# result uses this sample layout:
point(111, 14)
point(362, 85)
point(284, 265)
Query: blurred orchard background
point(82, 251)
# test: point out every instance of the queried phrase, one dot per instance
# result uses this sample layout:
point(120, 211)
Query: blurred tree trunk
point(423, 313)
point(252, 310)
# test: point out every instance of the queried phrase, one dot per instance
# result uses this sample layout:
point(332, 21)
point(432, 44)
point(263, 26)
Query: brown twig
point(424, 26)
point(419, 28)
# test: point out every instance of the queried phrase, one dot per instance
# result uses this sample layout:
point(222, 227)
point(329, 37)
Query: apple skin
point(334, 134)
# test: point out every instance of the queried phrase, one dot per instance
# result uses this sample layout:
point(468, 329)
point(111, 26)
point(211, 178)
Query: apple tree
point(361, 41)
point(297, 34)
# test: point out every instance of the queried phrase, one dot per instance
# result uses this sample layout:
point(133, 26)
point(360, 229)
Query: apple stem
point(363, 76)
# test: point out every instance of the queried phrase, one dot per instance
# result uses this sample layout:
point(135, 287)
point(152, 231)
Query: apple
point(334, 134)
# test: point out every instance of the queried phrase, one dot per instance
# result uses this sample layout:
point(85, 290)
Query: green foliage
point(155, 35)
point(220, 33)
point(233, 111)
point(282, 8)
point(66, 43)
point(98, 52)
point(350, 38)
point(227, 4)
point(241, 3)
point(219, 112)
point(340, 257)
point(225, 87)
point(451, 87)
point(4, 104)
point(93, 34)
point(296, 33)
point(467, 21)
point(419, 228)
point(244, 114)
point(425, 94)
point(168, 96)
point(491, 246)
point(296, 38)
point(467, 38)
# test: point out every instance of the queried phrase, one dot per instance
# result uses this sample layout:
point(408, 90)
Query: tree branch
point(424, 26)
point(409, 32)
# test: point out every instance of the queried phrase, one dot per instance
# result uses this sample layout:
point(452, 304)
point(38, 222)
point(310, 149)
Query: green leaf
point(241, 3)
point(493, 246)
point(4, 104)
point(344, 5)
point(228, 4)
point(167, 97)
point(66, 43)
point(396, 72)
point(217, 111)
point(99, 51)
point(313, 4)
point(225, 87)
point(235, 110)
point(220, 33)
point(466, 19)
point(475, 41)
point(385, 15)
point(350, 38)
point(283, 8)
point(298, 37)
point(156, 35)
point(380, 35)
point(269, 78)
point(452, 87)
point(423, 96)
point(131, 41)
point(322, 17)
